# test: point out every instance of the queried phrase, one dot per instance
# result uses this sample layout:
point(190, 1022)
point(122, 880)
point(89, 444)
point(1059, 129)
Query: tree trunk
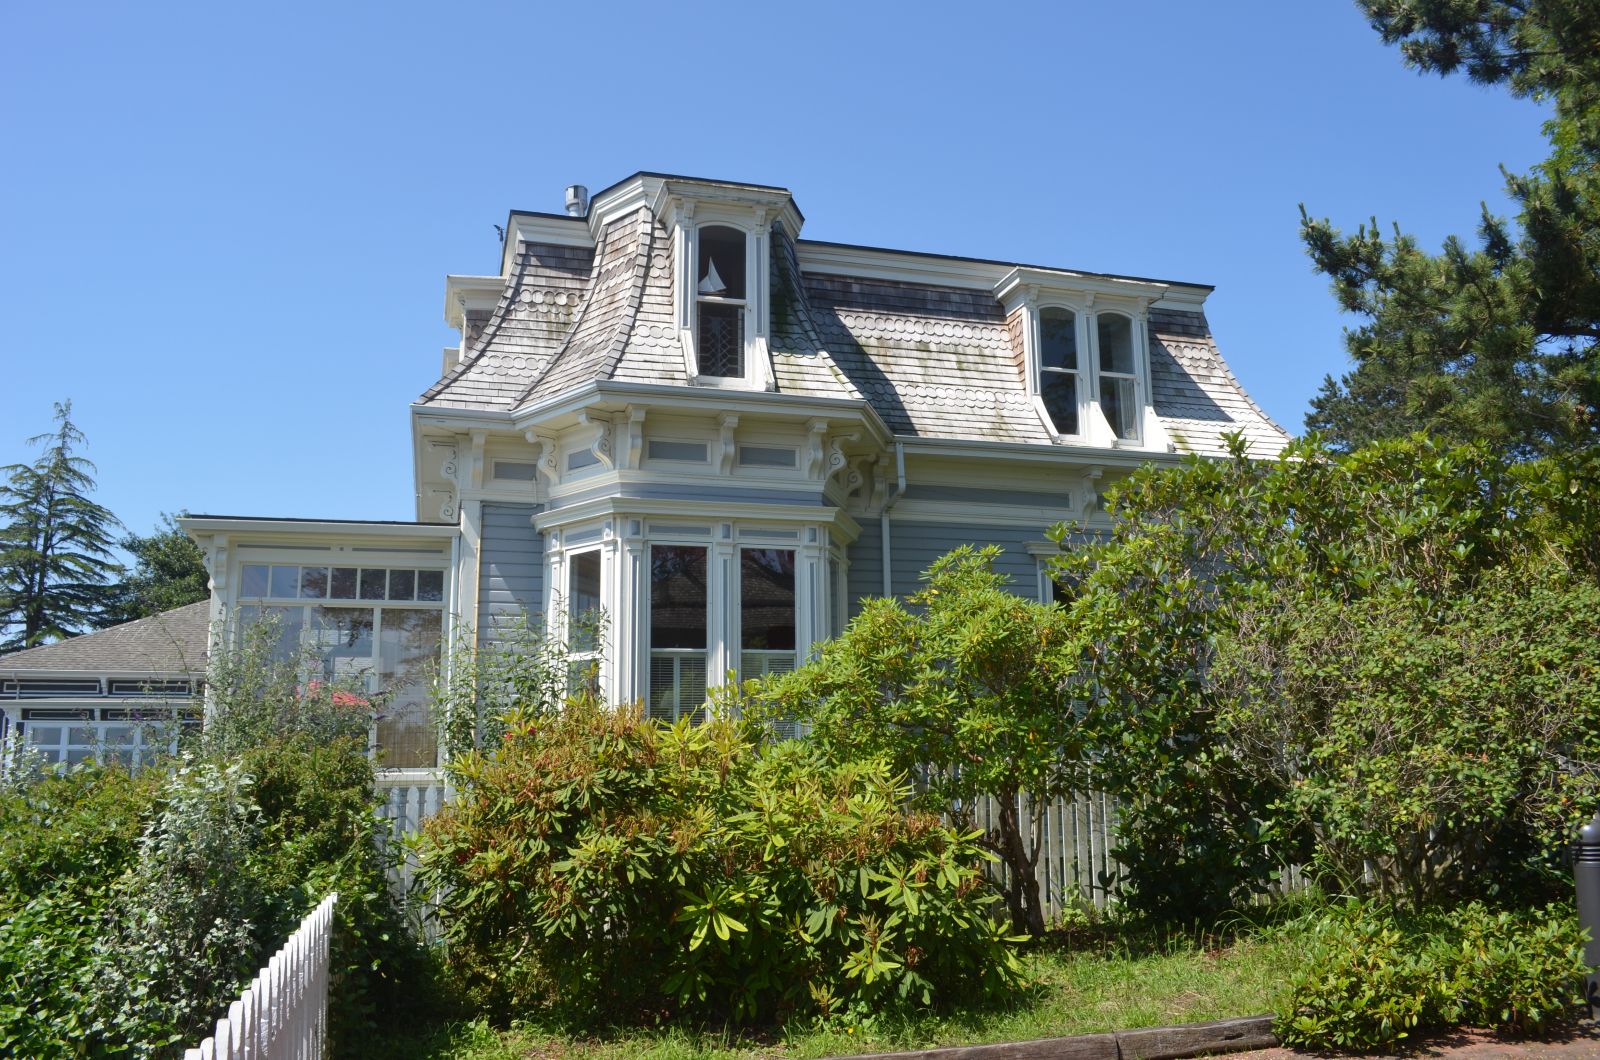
point(1022, 885)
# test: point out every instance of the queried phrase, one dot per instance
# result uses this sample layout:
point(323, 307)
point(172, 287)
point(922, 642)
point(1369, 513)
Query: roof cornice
point(1027, 281)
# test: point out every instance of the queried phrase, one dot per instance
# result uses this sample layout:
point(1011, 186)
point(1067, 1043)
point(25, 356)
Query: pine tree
point(169, 571)
point(55, 543)
point(1499, 341)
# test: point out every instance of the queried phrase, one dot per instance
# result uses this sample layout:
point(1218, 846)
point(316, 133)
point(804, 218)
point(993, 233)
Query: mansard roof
point(925, 343)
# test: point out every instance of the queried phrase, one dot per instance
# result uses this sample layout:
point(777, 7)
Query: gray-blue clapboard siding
point(913, 546)
point(511, 566)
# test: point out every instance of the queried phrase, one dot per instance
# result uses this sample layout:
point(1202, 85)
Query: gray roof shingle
point(173, 642)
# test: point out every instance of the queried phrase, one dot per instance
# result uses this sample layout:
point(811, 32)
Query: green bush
point(609, 866)
point(1373, 979)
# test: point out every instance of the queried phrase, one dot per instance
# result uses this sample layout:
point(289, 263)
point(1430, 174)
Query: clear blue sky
point(224, 229)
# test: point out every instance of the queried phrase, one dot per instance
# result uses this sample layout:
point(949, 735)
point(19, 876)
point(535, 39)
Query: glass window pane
point(1116, 343)
point(286, 621)
point(677, 596)
point(583, 600)
point(677, 684)
point(119, 735)
point(373, 584)
point(720, 273)
point(1058, 340)
point(407, 652)
point(430, 585)
point(344, 583)
point(314, 582)
point(402, 585)
point(82, 736)
point(1060, 394)
point(79, 755)
point(766, 456)
point(285, 582)
point(766, 599)
point(720, 340)
point(343, 640)
point(1117, 402)
point(253, 580)
point(44, 734)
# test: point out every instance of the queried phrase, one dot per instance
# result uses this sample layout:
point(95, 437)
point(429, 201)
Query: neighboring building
point(116, 694)
point(668, 407)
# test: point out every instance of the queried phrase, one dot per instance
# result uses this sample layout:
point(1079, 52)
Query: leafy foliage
point(1385, 661)
point(972, 689)
point(1374, 979)
point(55, 543)
point(1498, 342)
point(621, 868)
point(169, 571)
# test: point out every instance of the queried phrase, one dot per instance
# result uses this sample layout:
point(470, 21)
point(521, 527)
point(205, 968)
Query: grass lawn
point(1076, 993)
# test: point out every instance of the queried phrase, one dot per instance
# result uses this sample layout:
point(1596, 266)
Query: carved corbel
point(548, 461)
point(837, 461)
point(600, 439)
point(474, 476)
point(631, 427)
point(726, 447)
point(451, 471)
point(882, 471)
point(816, 455)
point(1091, 488)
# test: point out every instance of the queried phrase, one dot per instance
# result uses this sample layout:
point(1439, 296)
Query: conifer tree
point(55, 543)
point(1498, 341)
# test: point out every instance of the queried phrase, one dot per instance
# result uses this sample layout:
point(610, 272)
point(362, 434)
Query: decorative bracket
point(1091, 488)
point(630, 436)
point(837, 461)
point(450, 469)
point(547, 461)
point(815, 455)
point(882, 469)
point(725, 443)
point(600, 443)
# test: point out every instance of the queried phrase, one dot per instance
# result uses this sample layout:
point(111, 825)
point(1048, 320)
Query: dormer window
point(1058, 368)
point(720, 302)
point(1119, 377)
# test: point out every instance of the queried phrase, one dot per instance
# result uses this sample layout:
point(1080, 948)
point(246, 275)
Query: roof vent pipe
point(577, 200)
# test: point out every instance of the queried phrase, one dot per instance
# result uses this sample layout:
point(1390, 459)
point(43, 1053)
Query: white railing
point(283, 1013)
point(409, 797)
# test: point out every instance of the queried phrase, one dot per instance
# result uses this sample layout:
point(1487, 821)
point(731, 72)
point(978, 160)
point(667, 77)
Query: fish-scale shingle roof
point(934, 361)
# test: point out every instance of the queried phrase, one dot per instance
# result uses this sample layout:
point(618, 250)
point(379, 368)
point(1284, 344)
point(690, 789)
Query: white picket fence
point(283, 1013)
point(409, 797)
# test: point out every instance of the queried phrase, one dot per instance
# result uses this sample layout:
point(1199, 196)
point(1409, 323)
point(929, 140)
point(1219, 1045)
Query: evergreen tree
point(169, 571)
point(1499, 341)
point(55, 543)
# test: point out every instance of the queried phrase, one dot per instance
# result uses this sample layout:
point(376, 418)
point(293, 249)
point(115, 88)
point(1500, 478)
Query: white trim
point(470, 292)
point(301, 528)
point(712, 512)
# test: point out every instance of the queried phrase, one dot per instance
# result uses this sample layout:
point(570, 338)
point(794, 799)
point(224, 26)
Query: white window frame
point(1093, 427)
point(597, 652)
point(1136, 339)
point(756, 309)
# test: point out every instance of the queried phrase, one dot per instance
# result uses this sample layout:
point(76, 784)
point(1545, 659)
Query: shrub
point(1373, 978)
point(621, 868)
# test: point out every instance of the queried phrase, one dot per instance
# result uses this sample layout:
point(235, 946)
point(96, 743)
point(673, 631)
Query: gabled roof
point(934, 358)
point(173, 642)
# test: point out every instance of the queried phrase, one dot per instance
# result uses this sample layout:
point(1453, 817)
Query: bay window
point(678, 628)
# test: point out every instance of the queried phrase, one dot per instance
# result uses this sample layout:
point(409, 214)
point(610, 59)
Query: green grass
point(1080, 992)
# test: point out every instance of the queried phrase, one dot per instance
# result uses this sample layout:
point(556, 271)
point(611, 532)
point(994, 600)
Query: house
point(118, 694)
point(669, 407)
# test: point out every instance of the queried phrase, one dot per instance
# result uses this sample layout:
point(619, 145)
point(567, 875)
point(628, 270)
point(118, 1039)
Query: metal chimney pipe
point(1586, 876)
point(577, 200)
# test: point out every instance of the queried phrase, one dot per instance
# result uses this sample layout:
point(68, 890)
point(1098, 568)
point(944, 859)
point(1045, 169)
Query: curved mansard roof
point(934, 361)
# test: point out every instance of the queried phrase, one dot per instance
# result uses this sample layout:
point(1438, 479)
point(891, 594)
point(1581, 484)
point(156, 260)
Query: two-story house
point(668, 406)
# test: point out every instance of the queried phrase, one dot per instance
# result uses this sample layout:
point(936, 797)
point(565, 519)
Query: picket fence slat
point(283, 1013)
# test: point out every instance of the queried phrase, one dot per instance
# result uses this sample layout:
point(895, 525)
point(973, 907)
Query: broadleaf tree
point(169, 571)
point(1497, 339)
point(56, 560)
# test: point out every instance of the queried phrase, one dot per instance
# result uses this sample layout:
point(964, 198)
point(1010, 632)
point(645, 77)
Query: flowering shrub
point(614, 866)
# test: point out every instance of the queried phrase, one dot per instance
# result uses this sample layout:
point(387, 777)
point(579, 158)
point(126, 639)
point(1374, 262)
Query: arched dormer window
point(1119, 375)
point(720, 302)
point(1059, 372)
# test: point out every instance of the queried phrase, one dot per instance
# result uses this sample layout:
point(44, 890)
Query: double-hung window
point(767, 642)
point(1119, 390)
point(678, 628)
point(1058, 368)
point(584, 620)
point(720, 300)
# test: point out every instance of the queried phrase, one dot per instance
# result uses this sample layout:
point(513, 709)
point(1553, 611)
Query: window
point(1119, 396)
point(767, 456)
point(691, 452)
point(677, 630)
point(720, 301)
point(378, 629)
point(584, 616)
point(766, 611)
point(132, 738)
point(1058, 368)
